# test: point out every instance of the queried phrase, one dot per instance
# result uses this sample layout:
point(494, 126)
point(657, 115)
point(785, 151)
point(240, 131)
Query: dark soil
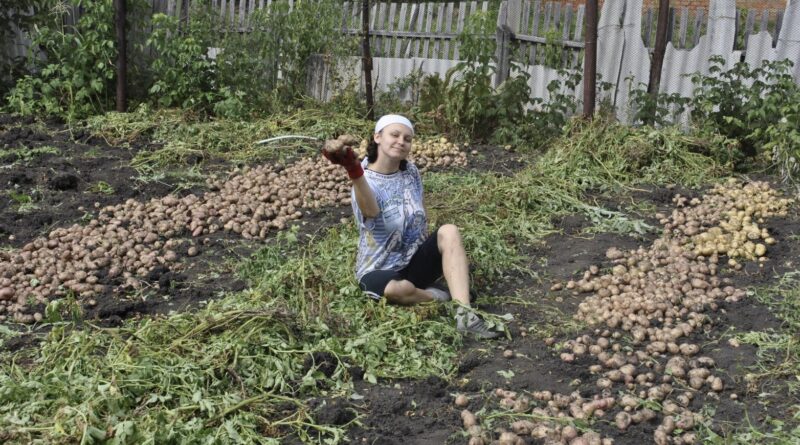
point(394, 412)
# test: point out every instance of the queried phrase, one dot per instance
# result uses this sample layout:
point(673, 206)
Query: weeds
point(26, 154)
point(778, 352)
point(101, 187)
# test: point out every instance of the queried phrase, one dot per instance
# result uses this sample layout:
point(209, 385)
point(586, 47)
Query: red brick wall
point(694, 4)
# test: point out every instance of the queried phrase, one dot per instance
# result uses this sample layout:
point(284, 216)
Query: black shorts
point(423, 270)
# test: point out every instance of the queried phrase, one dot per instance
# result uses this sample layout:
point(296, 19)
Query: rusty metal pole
point(658, 53)
point(366, 59)
point(122, 55)
point(590, 60)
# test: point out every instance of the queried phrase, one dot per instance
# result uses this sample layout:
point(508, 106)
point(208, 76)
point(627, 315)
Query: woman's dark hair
point(372, 154)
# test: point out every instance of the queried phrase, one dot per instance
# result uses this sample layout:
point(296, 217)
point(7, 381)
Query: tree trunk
point(366, 59)
point(658, 55)
point(122, 55)
point(590, 60)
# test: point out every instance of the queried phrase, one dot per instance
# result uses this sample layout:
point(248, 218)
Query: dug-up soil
point(63, 189)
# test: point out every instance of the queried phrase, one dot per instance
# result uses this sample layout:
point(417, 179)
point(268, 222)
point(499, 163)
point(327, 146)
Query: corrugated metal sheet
point(540, 78)
point(759, 49)
point(789, 39)
point(635, 64)
point(610, 45)
point(680, 64)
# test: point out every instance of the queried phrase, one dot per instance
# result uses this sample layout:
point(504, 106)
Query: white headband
point(390, 119)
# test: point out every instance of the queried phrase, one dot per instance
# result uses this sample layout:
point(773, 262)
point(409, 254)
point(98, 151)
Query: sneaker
point(470, 323)
point(439, 295)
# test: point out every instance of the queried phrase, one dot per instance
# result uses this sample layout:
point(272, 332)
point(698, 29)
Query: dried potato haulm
point(126, 241)
point(429, 153)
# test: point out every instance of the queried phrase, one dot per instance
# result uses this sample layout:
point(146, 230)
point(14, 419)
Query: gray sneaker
point(470, 323)
point(439, 295)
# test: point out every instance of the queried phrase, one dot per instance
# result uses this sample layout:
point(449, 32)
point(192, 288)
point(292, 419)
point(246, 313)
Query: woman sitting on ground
point(397, 260)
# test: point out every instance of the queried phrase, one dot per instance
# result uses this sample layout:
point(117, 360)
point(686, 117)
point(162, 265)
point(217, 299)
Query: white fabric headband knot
point(390, 119)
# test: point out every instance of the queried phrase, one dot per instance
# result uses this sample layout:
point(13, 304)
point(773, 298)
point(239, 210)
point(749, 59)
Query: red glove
point(340, 152)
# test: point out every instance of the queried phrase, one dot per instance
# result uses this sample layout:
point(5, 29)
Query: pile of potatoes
point(127, 241)
point(548, 417)
point(726, 221)
point(430, 153)
point(645, 309)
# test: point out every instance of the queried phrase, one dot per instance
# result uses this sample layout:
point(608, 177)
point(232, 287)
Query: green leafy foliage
point(263, 69)
point(14, 17)
point(662, 109)
point(182, 71)
point(465, 103)
point(75, 69)
point(741, 103)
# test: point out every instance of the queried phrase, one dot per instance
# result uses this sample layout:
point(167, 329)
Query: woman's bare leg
point(454, 263)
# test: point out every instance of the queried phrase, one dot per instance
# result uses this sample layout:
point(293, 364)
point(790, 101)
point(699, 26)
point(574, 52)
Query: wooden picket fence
point(538, 36)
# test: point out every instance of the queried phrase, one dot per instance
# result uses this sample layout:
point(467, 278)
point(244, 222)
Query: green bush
point(74, 65)
point(742, 102)
point(182, 72)
point(465, 103)
point(261, 70)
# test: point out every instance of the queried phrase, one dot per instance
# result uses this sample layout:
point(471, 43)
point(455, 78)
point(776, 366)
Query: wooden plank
point(523, 22)
point(556, 17)
point(380, 24)
point(578, 36)
point(737, 27)
point(462, 10)
point(387, 49)
point(448, 26)
point(171, 8)
point(401, 26)
point(242, 14)
point(683, 25)
point(412, 25)
point(485, 6)
point(355, 19)
point(670, 25)
point(648, 28)
point(764, 21)
point(537, 11)
point(223, 8)
point(423, 10)
point(250, 14)
point(428, 22)
point(750, 23)
point(778, 25)
point(565, 62)
point(437, 44)
point(548, 12)
point(698, 26)
point(231, 14)
point(345, 16)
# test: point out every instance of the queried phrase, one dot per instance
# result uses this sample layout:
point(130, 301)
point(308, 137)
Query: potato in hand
point(341, 143)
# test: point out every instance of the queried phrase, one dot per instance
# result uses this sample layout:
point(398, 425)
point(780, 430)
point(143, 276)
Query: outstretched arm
point(340, 151)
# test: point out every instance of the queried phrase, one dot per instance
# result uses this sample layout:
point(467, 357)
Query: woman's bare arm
point(365, 198)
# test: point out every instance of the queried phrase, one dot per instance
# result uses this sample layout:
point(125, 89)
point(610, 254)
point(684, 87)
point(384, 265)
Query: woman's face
point(394, 142)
